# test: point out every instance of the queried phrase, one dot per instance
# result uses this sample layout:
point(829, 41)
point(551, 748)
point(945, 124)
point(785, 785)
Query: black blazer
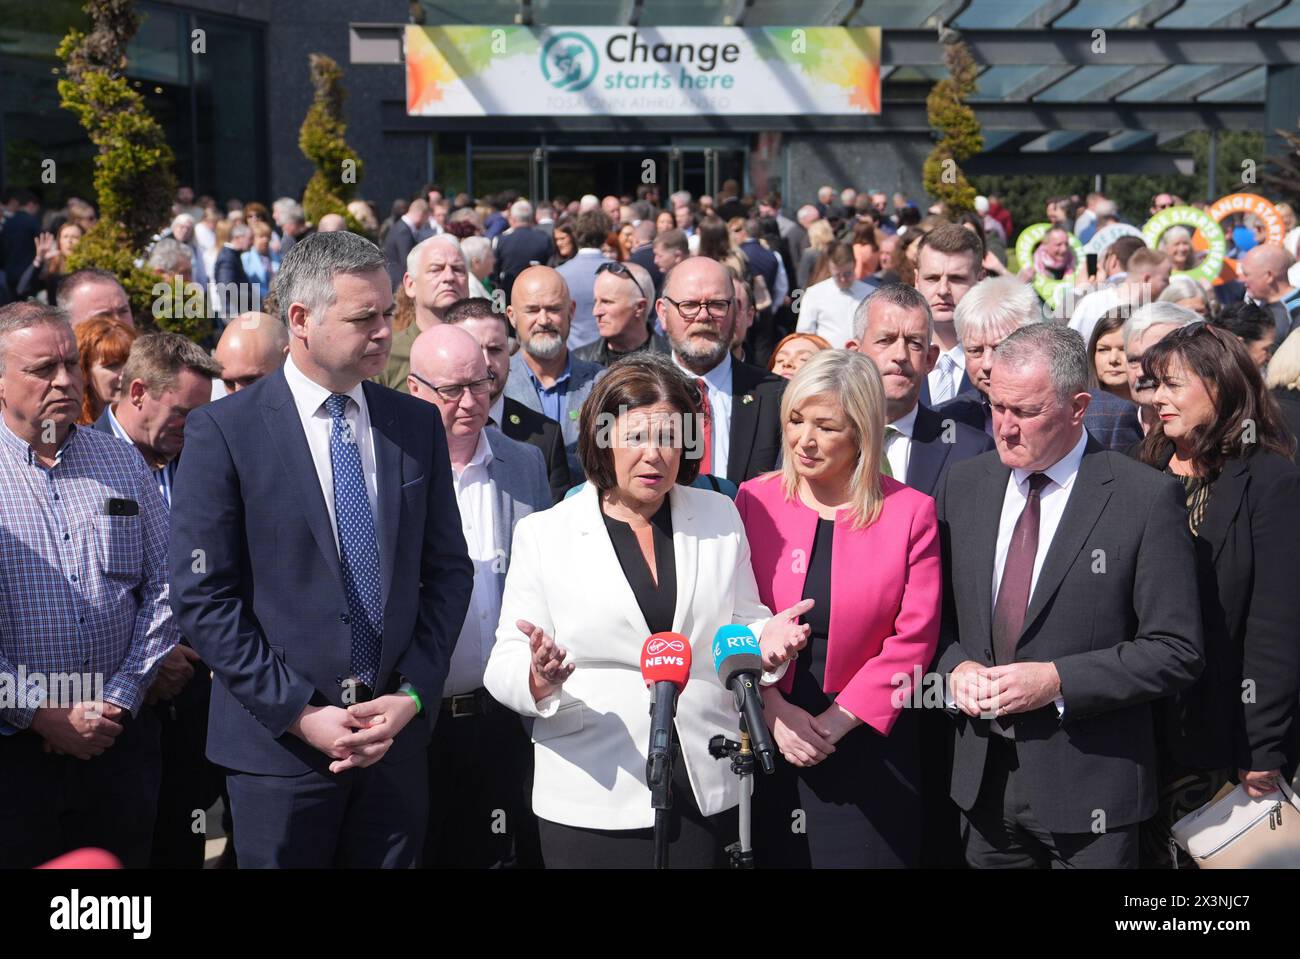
point(529, 426)
point(970, 406)
point(397, 246)
point(755, 422)
point(1112, 609)
point(1250, 608)
point(935, 449)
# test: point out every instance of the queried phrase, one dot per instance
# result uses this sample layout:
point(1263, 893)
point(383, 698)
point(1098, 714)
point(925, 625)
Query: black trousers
point(189, 782)
point(1001, 832)
point(50, 805)
point(695, 841)
point(480, 777)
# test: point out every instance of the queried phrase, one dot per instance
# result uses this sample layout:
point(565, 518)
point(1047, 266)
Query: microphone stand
point(742, 764)
point(659, 777)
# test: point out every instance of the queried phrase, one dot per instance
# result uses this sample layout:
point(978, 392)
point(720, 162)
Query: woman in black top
point(1219, 432)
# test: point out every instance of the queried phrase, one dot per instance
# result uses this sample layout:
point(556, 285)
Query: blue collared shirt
point(163, 477)
point(552, 398)
point(82, 592)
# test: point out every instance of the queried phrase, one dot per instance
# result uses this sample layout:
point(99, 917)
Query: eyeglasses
point(454, 391)
point(690, 309)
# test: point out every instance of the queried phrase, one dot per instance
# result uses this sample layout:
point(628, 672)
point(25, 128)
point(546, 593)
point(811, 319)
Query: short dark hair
point(591, 227)
point(75, 281)
point(471, 308)
point(950, 238)
point(642, 379)
point(1248, 321)
point(674, 240)
point(1124, 248)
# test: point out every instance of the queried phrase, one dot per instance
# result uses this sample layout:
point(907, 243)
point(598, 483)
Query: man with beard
point(436, 277)
point(741, 403)
point(543, 375)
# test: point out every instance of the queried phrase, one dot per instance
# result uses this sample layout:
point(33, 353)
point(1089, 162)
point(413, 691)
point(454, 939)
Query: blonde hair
point(1284, 364)
point(820, 236)
point(851, 380)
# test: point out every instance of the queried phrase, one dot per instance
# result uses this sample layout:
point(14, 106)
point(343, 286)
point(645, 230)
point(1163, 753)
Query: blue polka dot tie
point(358, 548)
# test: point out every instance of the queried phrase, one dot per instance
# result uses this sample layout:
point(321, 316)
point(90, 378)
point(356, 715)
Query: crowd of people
point(375, 564)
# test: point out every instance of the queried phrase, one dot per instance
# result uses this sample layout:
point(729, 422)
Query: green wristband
point(410, 691)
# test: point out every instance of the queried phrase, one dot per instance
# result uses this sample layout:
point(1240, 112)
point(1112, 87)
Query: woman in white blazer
point(637, 551)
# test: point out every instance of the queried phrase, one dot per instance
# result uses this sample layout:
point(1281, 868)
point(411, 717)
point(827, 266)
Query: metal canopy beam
point(1039, 82)
point(1152, 164)
point(898, 117)
point(1123, 47)
point(1126, 81)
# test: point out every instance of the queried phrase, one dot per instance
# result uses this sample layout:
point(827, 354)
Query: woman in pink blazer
point(828, 526)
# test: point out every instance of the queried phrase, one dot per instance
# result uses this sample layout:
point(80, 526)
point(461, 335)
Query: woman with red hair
point(103, 344)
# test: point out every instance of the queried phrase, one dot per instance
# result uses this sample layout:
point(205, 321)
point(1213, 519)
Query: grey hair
point(1182, 288)
point(997, 304)
point(895, 294)
point(1060, 347)
point(413, 258)
point(170, 255)
point(522, 211)
point(25, 314)
point(307, 272)
point(1156, 314)
point(240, 229)
point(643, 281)
point(475, 248)
point(1173, 233)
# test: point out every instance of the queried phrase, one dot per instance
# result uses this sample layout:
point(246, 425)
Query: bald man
point(251, 346)
point(480, 757)
point(331, 223)
point(1264, 272)
point(436, 277)
point(698, 310)
point(544, 375)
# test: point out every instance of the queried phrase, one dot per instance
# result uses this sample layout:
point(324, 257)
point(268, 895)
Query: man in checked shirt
point(83, 593)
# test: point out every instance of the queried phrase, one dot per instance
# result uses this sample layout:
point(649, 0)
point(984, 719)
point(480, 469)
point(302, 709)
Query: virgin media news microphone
point(738, 659)
point(665, 667)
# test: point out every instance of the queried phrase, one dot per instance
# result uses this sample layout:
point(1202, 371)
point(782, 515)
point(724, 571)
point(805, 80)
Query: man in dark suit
point(476, 316)
point(406, 231)
point(643, 254)
point(231, 291)
point(330, 668)
point(893, 327)
point(949, 264)
point(165, 378)
point(743, 431)
point(1069, 609)
point(521, 246)
point(18, 236)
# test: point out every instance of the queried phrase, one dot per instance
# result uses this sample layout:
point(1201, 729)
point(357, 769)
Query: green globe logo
point(569, 61)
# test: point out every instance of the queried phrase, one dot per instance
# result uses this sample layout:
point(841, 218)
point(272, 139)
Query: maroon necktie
point(1017, 574)
point(706, 426)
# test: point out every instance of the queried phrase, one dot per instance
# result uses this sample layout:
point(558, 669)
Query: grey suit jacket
point(519, 487)
point(1114, 608)
point(582, 377)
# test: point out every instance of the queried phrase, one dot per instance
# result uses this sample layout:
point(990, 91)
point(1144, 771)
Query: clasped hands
point(987, 692)
point(358, 736)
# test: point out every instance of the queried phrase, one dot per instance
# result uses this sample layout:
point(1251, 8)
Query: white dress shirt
point(827, 310)
point(477, 521)
point(898, 447)
point(1051, 507)
point(309, 397)
point(949, 369)
point(718, 381)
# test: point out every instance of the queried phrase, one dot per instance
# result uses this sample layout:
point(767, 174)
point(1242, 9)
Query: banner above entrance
point(476, 71)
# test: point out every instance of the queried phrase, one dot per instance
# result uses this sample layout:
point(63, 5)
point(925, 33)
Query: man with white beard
point(543, 375)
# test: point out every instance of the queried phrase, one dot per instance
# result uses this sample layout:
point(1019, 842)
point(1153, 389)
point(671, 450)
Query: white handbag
point(1233, 831)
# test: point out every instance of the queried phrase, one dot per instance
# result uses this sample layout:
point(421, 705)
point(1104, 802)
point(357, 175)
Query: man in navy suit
point(949, 263)
point(521, 246)
point(318, 566)
point(893, 326)
point(232, 286)
point(406, 231)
